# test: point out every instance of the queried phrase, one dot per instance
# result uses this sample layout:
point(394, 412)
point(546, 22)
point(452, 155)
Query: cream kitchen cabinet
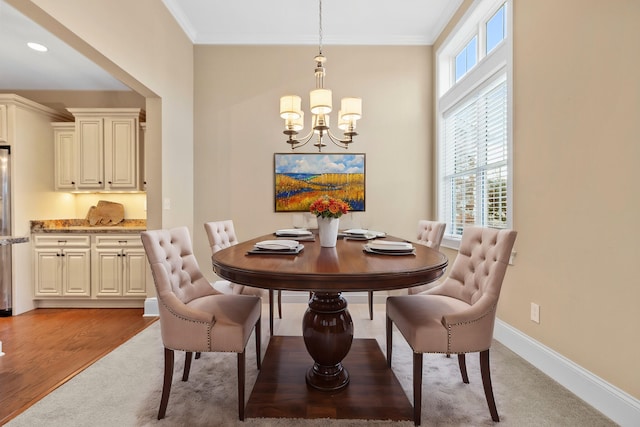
point(62, 265)
point(119, 266)
point(66, 162)
point(106, 154)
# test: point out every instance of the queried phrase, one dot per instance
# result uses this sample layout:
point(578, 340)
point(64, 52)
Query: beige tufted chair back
point(221, 234)
point(174, 266)
point(430, 233)
point(480, 265)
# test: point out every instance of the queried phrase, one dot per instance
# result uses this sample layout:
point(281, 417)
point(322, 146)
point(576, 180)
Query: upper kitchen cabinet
point(104, 153)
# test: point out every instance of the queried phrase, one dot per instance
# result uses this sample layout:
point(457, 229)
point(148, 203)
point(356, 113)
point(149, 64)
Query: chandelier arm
point(342, 143)
point(297, 143)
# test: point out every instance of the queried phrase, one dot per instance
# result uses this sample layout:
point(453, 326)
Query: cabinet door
point(134, 272)
point(107, 272)
point(48, 272)
point(65, 158)
point(90, 138)
point(77, 272)
point(121, 153)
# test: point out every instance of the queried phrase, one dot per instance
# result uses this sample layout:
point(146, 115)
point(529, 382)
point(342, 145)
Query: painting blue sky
point(319, 163)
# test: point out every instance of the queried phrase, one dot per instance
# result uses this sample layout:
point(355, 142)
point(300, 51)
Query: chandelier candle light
point(320, 107)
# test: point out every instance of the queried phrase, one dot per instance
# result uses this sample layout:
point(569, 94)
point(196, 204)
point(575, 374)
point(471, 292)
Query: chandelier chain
point(320, 28)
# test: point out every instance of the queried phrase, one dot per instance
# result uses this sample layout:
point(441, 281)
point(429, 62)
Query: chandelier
point(320, 107)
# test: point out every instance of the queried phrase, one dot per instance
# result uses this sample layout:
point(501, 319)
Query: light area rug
point(123, 388)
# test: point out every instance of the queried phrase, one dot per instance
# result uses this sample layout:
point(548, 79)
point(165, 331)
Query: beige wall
point(238, 129)
point(576, 152)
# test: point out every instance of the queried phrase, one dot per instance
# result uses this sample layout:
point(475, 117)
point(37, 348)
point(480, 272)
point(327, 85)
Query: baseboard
point(616, 404)
point(151, 308)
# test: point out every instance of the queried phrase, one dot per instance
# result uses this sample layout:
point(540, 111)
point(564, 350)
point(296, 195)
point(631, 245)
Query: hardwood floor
point(46, 347)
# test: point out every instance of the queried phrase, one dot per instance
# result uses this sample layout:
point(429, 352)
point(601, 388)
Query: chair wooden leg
point(462, 362)
point(166, 386)
point(371, 305)
point(417, 388)
point(258, 333)
point(486, 383)
point(241, 386)
point(198, 355)
point(280, 304)
point(389, 331)
point(187, 365)
point(271, 312)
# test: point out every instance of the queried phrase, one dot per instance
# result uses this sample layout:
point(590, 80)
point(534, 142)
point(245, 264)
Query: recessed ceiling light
point(37, 46)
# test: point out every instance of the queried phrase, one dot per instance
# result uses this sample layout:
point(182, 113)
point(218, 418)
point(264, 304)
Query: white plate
point(411, 251)
point(293, 232)
point(383, 245)
point(361, 232)
point(277, 245)
point(357, 231)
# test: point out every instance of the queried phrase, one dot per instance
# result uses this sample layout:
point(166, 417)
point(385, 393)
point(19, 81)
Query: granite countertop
point(10, 240)
point(83, 226)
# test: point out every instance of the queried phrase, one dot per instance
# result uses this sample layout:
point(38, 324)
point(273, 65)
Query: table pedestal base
point(280, 391)
point(327, 330)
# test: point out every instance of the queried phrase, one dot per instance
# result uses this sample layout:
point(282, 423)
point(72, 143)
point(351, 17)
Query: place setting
point(384, 247)
point(361, 234)
point(300, 234)
point(277, 247)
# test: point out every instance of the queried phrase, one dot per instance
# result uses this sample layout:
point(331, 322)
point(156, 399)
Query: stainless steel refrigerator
point(5, 230)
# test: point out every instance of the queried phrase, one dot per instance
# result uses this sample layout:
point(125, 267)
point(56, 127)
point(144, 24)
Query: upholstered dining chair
point(430, 234)
point(194, 317)
point(221, 235)
point(457, 316)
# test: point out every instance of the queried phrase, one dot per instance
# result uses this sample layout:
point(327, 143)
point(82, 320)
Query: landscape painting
point(302, 178)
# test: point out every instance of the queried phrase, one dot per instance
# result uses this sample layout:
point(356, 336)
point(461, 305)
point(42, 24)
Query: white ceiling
point(274, 22)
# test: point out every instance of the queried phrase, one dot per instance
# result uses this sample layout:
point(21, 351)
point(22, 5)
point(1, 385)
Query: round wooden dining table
point(327, 326)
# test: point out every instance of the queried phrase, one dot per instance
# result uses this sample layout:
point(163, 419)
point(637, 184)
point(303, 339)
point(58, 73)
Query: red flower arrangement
point(328, 207)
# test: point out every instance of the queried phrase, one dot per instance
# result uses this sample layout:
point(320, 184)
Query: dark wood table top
point(343, 268)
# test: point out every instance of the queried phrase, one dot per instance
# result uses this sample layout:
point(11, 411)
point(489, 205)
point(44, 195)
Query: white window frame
point(449, 92)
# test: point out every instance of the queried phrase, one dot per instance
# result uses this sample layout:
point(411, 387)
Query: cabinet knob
point(109, 182)
point(100, 182)
point(73, 183)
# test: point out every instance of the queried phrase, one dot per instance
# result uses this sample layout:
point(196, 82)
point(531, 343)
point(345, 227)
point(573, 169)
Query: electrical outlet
point(535, 312)
point(166, 204)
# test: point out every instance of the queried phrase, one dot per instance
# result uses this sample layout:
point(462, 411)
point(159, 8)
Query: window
point(474, 122)
point(474, 160)
point(496, 29)
point(467, 58)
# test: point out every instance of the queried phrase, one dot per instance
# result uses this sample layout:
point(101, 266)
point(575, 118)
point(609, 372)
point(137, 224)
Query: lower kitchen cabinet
point(62, 266)
point(90, 267)
point(118, 266)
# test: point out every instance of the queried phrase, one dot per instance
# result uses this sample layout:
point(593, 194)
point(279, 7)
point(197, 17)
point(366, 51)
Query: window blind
point(474, 159)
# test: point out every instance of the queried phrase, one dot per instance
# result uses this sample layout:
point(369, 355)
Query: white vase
point(328, 231)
